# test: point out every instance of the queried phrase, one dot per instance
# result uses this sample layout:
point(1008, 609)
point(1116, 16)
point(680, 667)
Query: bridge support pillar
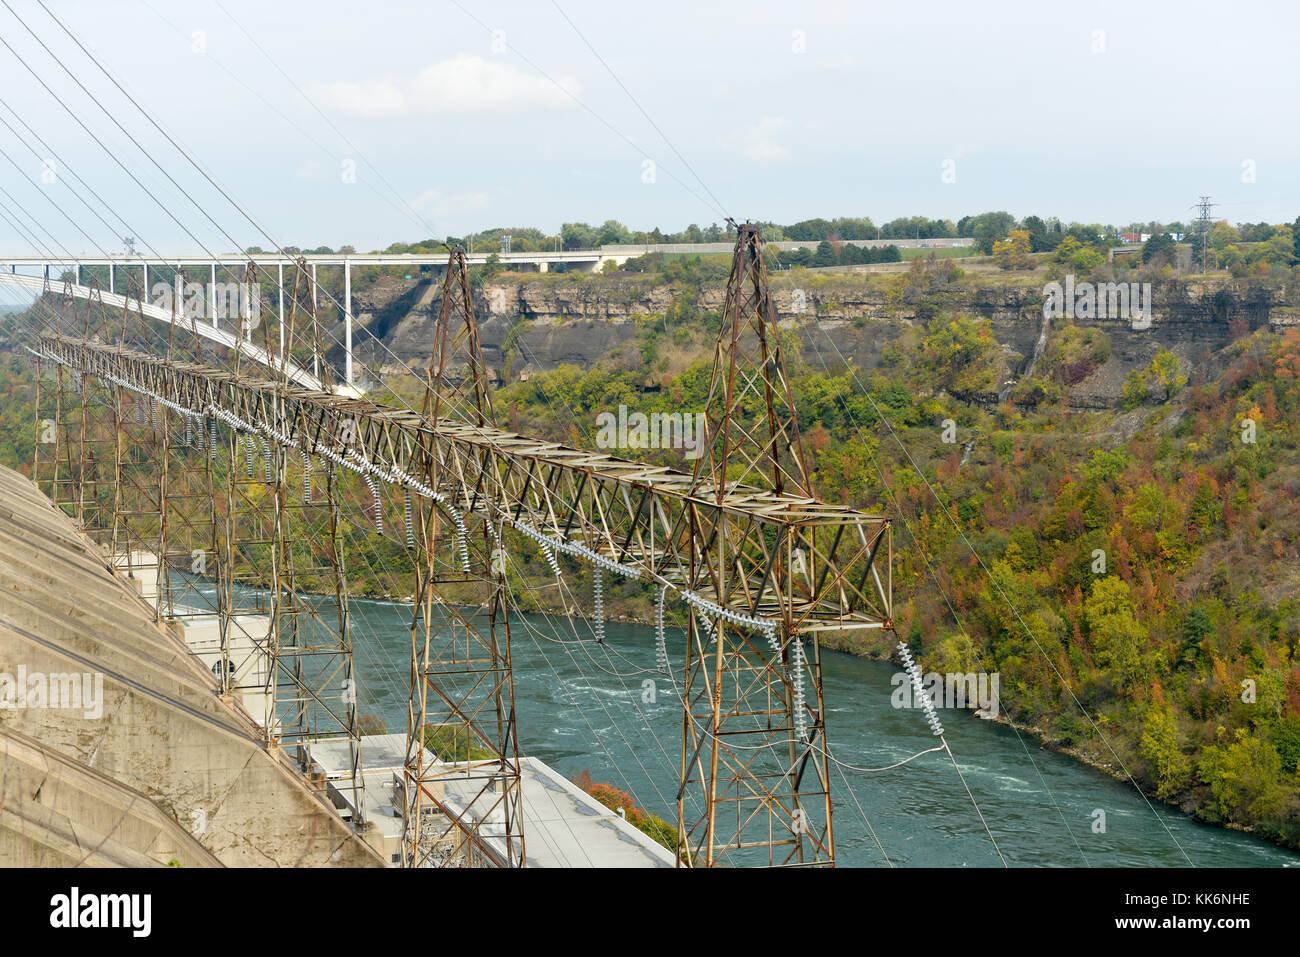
point(347, 321)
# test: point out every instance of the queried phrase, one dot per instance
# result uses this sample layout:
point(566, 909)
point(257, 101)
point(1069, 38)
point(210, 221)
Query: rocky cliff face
point(553, 320)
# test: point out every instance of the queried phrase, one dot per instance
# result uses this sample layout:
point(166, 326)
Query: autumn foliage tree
point(615, 799)
point(1013, 252)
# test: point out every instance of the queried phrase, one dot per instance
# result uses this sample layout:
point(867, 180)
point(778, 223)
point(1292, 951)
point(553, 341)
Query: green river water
point(580, 707)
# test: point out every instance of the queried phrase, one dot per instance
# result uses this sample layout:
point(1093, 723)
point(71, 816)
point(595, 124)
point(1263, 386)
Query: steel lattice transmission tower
point(464, 807)
point(753, 438)
point(753, 740)
point(457, 382)
point(310, 679)
point(1203, 208)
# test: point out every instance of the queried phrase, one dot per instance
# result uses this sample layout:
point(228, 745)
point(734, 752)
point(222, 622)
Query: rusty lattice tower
point(753, 738)
point(462, 764)
point(752, 435)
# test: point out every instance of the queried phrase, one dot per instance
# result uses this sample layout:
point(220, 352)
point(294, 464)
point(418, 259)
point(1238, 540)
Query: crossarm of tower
point(813, 565)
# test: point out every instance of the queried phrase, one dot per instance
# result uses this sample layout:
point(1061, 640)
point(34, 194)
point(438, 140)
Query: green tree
point(1222, 235)
point(577, 236)
point(1245, 778)
point(1160, 746)
point(1134, 391)
point(1117, 636)
point(1013, 252)
point(1279, 249)
point(612, 232)
point(988, 228)
point(956, 350)
point(1080, 257)
point(956, 654)
point(1040, 240)
point(1286, 738)
point(1192, 631)
point(825, 254)
point(1166, 371)
point(453, 743)
point(1231, 259)
point(1160, 244)
point(1066, 248)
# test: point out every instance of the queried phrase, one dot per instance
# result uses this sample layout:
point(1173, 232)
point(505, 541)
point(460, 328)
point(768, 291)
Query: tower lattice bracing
point(753, 736)
point(462, 766)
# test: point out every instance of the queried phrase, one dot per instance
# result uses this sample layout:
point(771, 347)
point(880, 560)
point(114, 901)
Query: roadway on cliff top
point(589, 260)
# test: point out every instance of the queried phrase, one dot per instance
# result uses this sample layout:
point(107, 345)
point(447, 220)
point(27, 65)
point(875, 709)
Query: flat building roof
point(563, 825)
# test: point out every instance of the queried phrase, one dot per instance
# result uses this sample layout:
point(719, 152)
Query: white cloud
point(438, 204)
point(760, 141)
point(463, 84)
point(374, 99)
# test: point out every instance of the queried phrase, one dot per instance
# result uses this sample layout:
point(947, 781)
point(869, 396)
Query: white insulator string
point(598, 591)
point(375, 503)
point(796, 674)
point(710, 631)
point(766, 626)
point(918, 688)
point(661, 641)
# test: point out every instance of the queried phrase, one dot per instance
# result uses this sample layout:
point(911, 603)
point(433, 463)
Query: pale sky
point(1099, 112)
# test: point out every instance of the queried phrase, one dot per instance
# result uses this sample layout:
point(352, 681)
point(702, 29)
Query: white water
point(1039, 346)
